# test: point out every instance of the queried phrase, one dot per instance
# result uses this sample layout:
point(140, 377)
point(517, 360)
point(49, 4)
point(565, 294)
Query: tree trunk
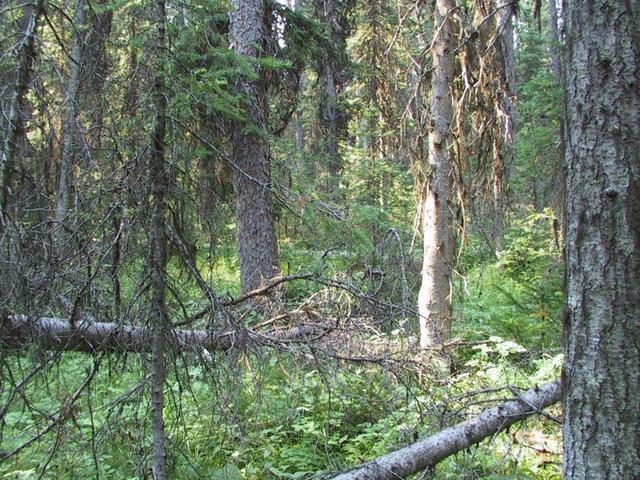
point(329, 121)
point(15, 125)
point(71, 126)
point(556, 65)
point(556, 68)
point(159, 188)
point(428, 452)
point(434, 299)
point(602, 371)
point(257, 242)
point(332, 125)
point(94, 72)
point(498, 175)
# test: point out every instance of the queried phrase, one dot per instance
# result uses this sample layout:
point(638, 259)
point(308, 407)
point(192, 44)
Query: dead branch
point(428, 452)
point(19, 331)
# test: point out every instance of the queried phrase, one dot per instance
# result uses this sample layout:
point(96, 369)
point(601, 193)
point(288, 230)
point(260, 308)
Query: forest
point(320, 239)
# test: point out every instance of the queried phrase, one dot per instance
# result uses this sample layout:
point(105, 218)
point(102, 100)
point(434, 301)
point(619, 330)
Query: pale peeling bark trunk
point(71, 127)
point(159, 188)
point(257, 242)
point(25, 58)
point(602, 371)
point(428, 452)
point(434, 299)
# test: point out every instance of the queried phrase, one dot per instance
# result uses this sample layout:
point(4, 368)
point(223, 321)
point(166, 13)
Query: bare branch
point(428, 452)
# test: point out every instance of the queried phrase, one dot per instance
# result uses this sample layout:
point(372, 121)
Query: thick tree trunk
point(71, 126)
point(434, 299)
point(428, 452)
point(257, 242)
point(602, 376)
point(15, 126)
point(159, 182)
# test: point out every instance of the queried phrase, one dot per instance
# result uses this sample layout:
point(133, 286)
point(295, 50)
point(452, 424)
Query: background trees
point(174, 165)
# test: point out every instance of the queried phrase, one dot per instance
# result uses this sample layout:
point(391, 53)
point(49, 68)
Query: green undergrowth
point(263, 414)
point(271, 416)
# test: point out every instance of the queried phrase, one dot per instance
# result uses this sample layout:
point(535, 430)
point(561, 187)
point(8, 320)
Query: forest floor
point(305, 408)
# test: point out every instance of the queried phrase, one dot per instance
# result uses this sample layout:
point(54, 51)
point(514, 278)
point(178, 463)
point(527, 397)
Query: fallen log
point(20, 331)
point(428, 452)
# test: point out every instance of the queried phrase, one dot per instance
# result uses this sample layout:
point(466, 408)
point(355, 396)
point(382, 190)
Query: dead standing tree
point(434, 299)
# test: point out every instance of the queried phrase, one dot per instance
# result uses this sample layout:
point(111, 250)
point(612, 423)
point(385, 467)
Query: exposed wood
point(428, 452)
point(434, 299)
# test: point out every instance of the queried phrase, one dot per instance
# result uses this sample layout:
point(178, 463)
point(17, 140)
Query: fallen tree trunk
point(19, 331)
point(428, 452)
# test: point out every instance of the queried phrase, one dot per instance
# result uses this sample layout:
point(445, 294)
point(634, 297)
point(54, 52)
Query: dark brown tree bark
point(434, 299)
point(602, 371)
point(257, 242)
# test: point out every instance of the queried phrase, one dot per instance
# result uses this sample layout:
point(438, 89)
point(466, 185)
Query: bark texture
point(434, 299)
point(433, 449)
point(556, 68)
point(257, 242)
point(602, 377)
